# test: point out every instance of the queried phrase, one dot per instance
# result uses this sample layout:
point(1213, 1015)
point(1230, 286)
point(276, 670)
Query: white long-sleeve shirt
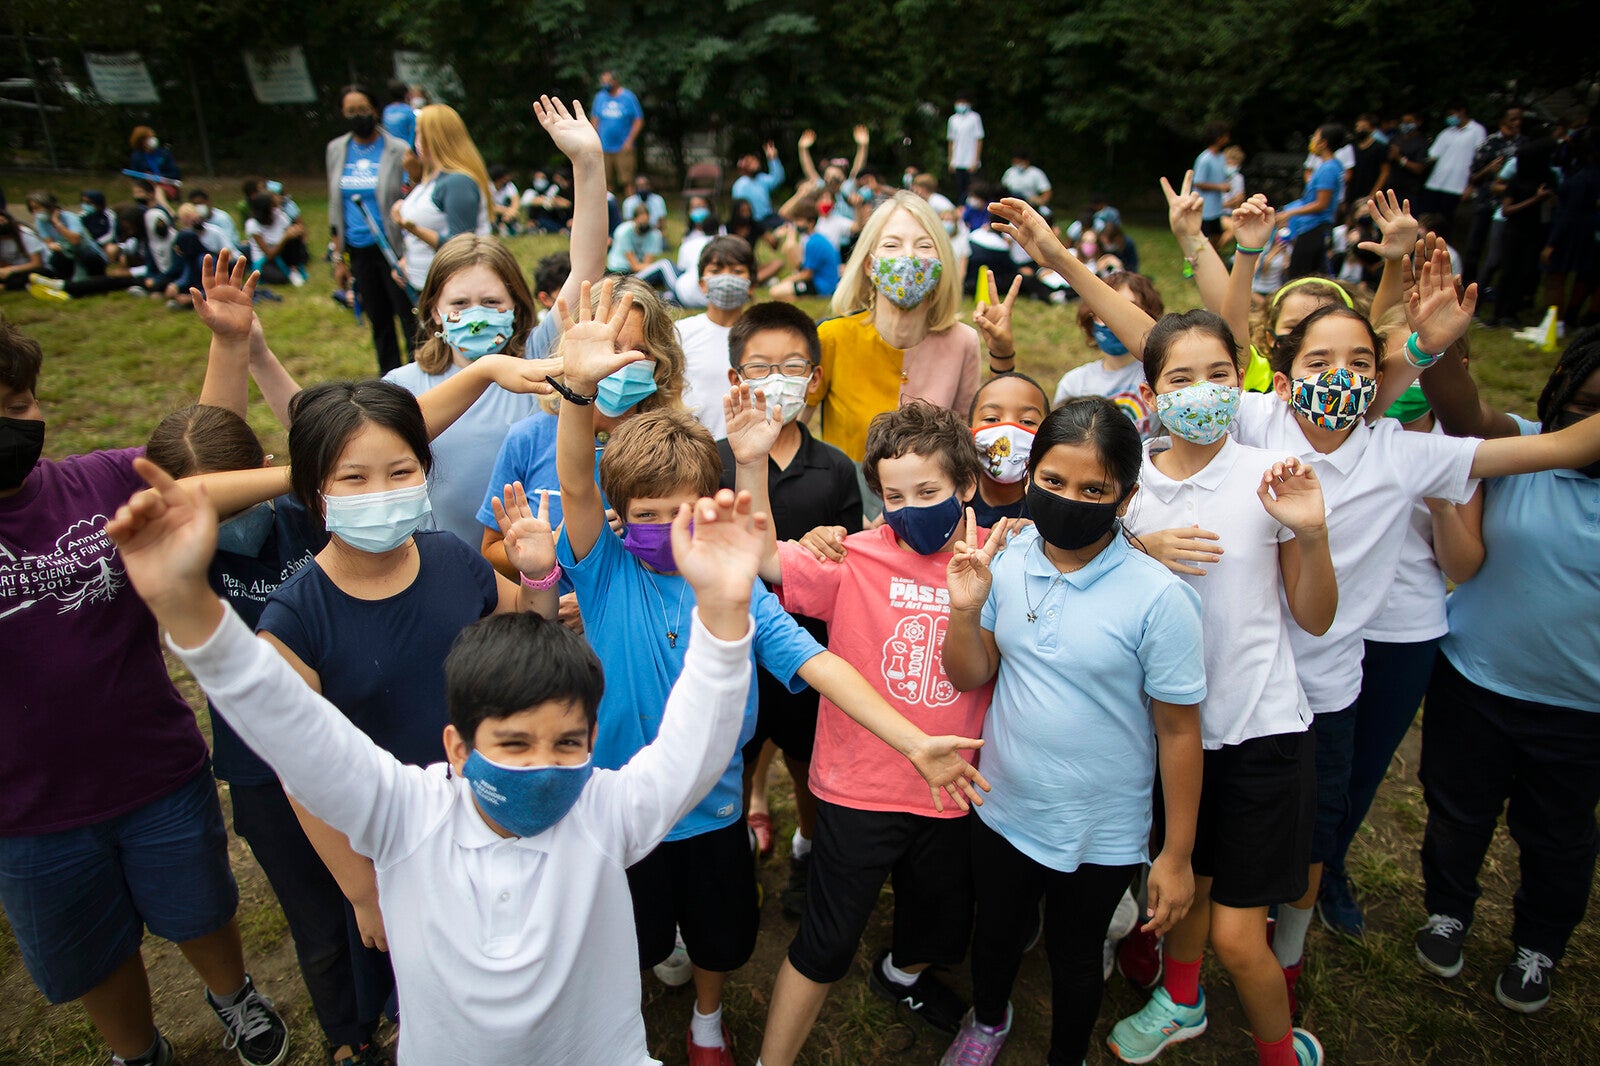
point(505, 950)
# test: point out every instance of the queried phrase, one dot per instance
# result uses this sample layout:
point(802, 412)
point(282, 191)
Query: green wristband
point(1416, 356)
point(1242, 250)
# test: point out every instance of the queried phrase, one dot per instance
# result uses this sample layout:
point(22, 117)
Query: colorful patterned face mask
point(1333, 399)
point(1200, 413)
point(1004, 449)
point(905, 280)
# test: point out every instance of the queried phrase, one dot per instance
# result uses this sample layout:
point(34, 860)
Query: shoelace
point(1532, 964)
point(1443, 925)
point(1155, 1016)
point(975, 1046)
point(247, 1019)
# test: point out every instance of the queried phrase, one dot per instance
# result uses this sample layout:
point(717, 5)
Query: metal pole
point(33, 80)
point(199, 116)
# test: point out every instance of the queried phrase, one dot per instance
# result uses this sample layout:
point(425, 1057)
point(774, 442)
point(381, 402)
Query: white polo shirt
point(1414, 609)
point(1452, 153)
point(1251, 687)
point(1370, 484)
point(965, 132)
point(506, 950)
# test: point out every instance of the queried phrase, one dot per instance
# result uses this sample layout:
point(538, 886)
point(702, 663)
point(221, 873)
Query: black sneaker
point(254, 1028)
point(163, 1056)
point(367, 1055)
point(928, 998)
point(1524, 985)
point(793, 896)
point(1439, 945)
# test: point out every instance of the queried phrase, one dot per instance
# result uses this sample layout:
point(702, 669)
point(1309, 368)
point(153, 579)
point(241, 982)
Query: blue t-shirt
point(1527, 625)
point(627, 239)
point(1069, 744)
point(627, 614)
point(381, 662)
point(528, 455)
point(822, 259)
point(246, 579)
point(1212, 169)
point(86, 248)
point(1328, 175)
point(360, 176)
point(615, 116)
point(757, 189)
point(400, 121)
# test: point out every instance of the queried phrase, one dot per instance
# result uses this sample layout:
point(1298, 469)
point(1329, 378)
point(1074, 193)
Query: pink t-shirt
point(887, 610)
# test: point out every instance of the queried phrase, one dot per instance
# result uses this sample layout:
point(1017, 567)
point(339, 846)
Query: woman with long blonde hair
point(453, 196)
point(898, 336)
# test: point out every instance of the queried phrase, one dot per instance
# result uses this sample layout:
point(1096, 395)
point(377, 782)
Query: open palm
point(1437, 315)
point(571, 131)
point(720, 556)
point(530, 544)
point(227, 306)
point(1291, 493)
point(752, 428)
point(589, 336)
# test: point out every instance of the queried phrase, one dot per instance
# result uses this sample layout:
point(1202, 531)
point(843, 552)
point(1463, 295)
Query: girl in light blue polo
point(1100, 672)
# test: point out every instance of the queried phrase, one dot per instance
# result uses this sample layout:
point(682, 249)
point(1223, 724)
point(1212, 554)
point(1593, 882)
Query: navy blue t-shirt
point(381, 662)
point(245, 578)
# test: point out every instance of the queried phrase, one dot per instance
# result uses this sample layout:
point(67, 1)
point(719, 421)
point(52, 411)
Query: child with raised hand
point(887, 610)
point(518, 820)
point(635, 603)
point(1258, 795)
point(1080, 719)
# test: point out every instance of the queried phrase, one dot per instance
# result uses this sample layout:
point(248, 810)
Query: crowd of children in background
point(1114, 666)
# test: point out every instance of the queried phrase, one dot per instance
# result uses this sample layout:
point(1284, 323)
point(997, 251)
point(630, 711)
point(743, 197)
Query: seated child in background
point(506, 210)
point(1117, 374)
point(636, 607)
point(773, 347)
point(545, 956)
point(884, 596)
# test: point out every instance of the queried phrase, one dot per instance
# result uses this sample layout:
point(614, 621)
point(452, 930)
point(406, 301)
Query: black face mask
point(1069, 524)
point(21, 443)
point(1572, 418)
point(362, 125)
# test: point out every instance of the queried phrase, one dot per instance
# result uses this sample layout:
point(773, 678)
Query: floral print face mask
point(905, 280)
point(1200, 413)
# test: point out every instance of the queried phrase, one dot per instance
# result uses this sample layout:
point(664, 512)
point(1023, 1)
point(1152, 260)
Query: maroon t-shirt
point(90, 724)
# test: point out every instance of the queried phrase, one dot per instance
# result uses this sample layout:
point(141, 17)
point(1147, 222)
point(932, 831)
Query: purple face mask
point(651, 544)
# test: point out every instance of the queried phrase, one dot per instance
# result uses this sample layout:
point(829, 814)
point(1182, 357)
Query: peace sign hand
point(1183, 206)
point(968, 575)
point(994, 322)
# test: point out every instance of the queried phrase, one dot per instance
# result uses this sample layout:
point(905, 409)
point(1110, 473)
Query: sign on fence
point(415, 68)
point(121, 78)
point(280, 76)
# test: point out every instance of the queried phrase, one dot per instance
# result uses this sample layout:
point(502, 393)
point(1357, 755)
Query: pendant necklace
point(670, 627)
point(1033, 608)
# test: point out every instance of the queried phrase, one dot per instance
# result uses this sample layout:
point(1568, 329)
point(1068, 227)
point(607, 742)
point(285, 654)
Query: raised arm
point(808, 169)
point(1254, 223)
point(752, 431)
point(1028, 228)
point(226, 309)
point(863, 139)
point(277, 385)
point(1184, 208)
point(577, 140)
point(529, 547)
point(1291, 493)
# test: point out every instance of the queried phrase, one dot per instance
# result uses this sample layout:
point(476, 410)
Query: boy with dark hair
point(727, 267)
point(887, 604)
point(517, 820)
point(774, 349)
point(636, 604)
point(113, 826)
point(813, 259)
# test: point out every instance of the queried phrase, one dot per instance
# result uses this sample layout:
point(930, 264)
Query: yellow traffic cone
point(983, 285)
point(1548, 340)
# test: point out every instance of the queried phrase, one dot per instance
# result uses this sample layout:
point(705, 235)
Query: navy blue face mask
point(525, 800)
point(1107, 341)
point(926, 529)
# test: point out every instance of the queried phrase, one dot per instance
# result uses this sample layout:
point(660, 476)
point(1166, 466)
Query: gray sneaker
point(976, 1044)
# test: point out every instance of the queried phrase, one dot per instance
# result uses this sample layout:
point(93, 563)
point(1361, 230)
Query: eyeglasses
point(790, 368)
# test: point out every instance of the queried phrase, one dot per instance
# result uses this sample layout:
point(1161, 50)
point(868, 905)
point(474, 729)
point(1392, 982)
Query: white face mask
point(785, 394)
point(151, 144)
point(1004, 449)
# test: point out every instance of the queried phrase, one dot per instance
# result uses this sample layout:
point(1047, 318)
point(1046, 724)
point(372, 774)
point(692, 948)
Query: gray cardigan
point(391, 175)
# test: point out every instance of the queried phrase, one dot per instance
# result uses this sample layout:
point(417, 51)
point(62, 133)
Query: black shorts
point(804, 287)
point(705, 886)
point(853, 853)
point(1258, 803)
point(1211, 227)
point(788, 719)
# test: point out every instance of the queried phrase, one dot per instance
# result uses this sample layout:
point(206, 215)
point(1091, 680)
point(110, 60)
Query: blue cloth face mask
point(1107, 342)
point(926, 529)
point(620, 391)
point(376, 522)
point(525, 800)
point(246, 532)
point(1201, 412)
point(478, 331)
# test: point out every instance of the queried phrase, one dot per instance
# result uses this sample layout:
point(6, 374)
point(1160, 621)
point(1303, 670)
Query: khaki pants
point(620, 167)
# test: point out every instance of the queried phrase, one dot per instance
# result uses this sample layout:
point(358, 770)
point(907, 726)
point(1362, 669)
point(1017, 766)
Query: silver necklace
point(672, 626)
point(1033, 608)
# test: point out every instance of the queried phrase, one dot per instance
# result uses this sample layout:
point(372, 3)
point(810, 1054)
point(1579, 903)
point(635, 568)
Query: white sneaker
point(297, 278)
point(677, 970)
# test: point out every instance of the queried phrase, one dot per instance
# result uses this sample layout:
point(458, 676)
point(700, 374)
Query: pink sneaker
point(1139, 959)
point(976, 1044)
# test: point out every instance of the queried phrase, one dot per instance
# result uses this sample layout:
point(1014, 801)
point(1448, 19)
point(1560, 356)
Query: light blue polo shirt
point(1069, 743)
point(1527, 624)
point(627, 613)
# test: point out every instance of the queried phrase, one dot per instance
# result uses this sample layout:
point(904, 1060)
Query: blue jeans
point(79, 900)
point(1394, 678)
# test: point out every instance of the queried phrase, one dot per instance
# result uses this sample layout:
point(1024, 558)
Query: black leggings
point(1078, 908)
point(382, 300)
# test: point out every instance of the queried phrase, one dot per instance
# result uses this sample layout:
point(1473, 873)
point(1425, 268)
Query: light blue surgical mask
point(1107, 341)
point(618, 392)
point(1452, 120)
point(246, 532)
point(376, 522)
point(525, 800)
point(478, 331)
point(699, 214)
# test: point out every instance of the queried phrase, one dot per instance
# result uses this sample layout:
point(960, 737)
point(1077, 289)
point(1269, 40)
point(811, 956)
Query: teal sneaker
point(1307, 1048)
point(1140, 1037)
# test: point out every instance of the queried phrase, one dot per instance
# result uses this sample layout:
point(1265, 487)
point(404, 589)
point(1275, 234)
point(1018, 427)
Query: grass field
point(115, 364)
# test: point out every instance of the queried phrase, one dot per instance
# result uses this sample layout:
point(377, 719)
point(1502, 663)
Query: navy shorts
point(80, 900)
